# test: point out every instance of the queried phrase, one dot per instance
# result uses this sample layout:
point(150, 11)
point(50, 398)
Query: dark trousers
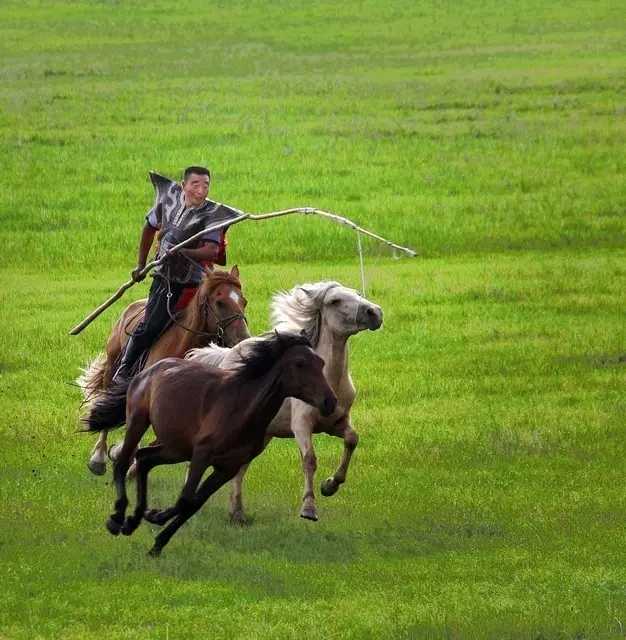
point(155, 319)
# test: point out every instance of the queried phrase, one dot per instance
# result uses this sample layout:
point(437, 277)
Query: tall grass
point(458, 128)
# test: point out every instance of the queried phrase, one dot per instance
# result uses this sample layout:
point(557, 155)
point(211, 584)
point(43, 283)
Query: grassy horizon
point(455, 128)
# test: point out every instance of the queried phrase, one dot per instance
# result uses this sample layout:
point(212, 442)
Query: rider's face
point(196, 188)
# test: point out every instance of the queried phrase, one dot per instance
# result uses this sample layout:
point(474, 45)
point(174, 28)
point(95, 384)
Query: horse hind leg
point(137, 425)
point(236, 510)
point(97, 463)
point(92, 382)
point(350, 437)
point(146, 459)
point(195, 472)
point(308, 511)
point(113, 454)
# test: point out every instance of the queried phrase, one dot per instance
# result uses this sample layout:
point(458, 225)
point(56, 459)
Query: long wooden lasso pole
point(229, 223)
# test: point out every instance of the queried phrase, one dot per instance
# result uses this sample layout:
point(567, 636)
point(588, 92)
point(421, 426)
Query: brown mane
point(193, 316)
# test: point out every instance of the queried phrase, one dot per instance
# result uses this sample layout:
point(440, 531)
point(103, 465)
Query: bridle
point(207, 308)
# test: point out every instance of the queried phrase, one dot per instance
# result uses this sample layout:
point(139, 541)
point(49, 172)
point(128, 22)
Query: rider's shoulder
point(163, 185)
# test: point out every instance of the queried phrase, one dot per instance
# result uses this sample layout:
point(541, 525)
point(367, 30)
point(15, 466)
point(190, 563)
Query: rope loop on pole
point(358, 241)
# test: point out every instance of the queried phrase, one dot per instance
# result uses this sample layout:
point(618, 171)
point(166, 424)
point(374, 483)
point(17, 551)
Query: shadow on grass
point(595, 361)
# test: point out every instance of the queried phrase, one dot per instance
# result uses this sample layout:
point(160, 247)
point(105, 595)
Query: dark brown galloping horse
point(215, 314)
point(209, 416)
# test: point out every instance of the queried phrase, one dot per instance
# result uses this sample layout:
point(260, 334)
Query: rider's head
point(196, 182)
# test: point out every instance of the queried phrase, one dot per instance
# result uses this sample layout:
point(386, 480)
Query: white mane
point(223, 357)
point(211, 355)
point(295, 310)
point(300, 308)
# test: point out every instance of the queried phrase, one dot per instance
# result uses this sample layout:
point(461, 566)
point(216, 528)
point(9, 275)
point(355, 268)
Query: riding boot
point(132, 352)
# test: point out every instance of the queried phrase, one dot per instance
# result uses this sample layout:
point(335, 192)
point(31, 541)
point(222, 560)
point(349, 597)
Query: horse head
point(299, 370)
point(347, 312)
point(342, 310)
point(220, 307)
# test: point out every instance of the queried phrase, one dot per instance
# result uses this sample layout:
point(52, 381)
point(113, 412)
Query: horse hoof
point(238, 519)
point(155, 516)
point(129, 526)
point(113, 526)
point(151, 516)
point(309, 513)
point(329, 487)
point(114, 452)
point(97, 468)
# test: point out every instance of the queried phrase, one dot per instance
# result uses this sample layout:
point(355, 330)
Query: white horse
point(329, 314)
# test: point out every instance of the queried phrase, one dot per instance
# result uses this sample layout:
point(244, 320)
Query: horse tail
point(108, 410)
point(91, 379)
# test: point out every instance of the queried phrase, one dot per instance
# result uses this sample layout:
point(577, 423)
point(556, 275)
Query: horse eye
point(335, 302)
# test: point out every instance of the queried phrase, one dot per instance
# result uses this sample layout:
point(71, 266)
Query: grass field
point(486, 498)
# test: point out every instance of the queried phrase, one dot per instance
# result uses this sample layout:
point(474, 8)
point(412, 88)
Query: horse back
point(173, 393)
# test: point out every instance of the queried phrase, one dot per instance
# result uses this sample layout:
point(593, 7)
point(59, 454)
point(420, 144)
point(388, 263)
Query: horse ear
point(234, 272)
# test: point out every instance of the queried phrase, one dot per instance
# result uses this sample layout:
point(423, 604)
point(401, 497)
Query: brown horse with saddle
point(215, 314)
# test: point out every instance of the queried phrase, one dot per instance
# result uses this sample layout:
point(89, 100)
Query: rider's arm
point(208, 251)
point(145, 242)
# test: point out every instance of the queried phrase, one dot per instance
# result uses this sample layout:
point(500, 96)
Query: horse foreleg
point(309, 466)
point(194, 474)
point(350, 440)
point(189, 507)
point(97, 463)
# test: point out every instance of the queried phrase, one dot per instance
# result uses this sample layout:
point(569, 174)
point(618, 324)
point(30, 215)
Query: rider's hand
point(136, 274)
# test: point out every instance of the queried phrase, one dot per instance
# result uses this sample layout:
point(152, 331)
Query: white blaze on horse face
point(235, 297)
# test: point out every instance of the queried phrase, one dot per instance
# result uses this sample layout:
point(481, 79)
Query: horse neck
point(177, 339)
point(333, 348)
point(195, 319)
point(264, 396)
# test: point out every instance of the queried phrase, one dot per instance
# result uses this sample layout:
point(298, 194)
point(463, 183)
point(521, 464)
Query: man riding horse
point(180, 211)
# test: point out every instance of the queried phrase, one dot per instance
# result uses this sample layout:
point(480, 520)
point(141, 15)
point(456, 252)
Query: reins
point(132, 319)
point(221, 324)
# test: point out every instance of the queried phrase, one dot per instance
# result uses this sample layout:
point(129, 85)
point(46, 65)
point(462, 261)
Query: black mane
point(264, 353)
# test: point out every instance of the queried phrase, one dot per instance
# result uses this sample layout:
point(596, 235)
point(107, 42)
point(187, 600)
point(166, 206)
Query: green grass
point(458, 127)
point(486, 498)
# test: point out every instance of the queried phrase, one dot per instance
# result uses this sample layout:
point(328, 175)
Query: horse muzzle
point(370, 317)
